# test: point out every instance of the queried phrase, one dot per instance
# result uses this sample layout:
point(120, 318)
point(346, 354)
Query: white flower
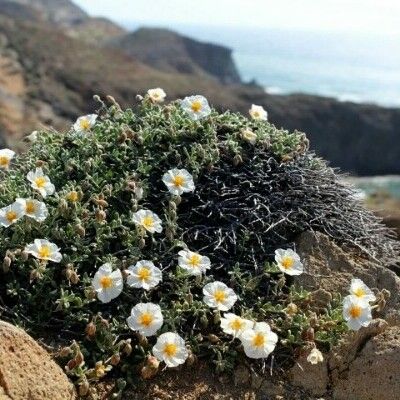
point(144, 274)
point(40, 182)
point(315, 356)
point(32, 137)
point(85, 123)
point(11, 214)
point(148, 220)
point(359, 289)
point(192, 262)
point(157, 95)
point(196, 107)
point(260, 341)
point(171, 349)
point(6, 155)
point(234, 325)
point(288, 262)
point(34, 209)
point(258, 112)
point(44, 250)
point(249, 135)
point(146, 318)
point(356, 312)
point(107, 283)
point(178, 181)
point(218, 295)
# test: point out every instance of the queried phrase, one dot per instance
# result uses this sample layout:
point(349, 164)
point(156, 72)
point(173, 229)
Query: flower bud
point(308, 334)
point(80, 230)
point(122, 138)
point(90, 329)
point(191, 359)
point(6, 264)
point(24, 255)
point(237, 160)
point(74, 279)
point(100, 216)
point(127, 349)
point(150, 368)
point(115, 359)
point(142, 339)
point(65, 352)
point(63, 206)
point(83, 388)
point(71, 364)
point(142, 243)
point(40, 163)
point(34, 275)
point(213, 338)
point(79, 359)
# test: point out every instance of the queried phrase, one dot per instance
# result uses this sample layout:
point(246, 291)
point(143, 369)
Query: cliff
point(171, 52)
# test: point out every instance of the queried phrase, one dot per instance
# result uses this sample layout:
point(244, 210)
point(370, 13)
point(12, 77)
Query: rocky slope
point(50, 69)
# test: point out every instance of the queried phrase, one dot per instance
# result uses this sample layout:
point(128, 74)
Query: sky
point(363, 16)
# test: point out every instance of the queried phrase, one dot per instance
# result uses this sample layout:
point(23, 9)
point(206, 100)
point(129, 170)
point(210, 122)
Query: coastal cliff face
point(95, 56)
point(170, 52)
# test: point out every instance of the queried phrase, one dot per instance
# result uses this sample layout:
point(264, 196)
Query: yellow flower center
point(219, 296)
point(194, 260)
point(178, 180)
point(287, 262)
point(355, 311)
point(256, 114)
point(4, 161)
point(84, 124)
point(40, 181)
point(44, 252)
point(170, 349)
point(196, 106)
point(359, 292)
point(11, 216)
point(236, 324)
point(144, 274)
point(146, 319)
point(148, 222)
point(30, 207)
point(258, 340)
point(72, 196)
point(106, 282)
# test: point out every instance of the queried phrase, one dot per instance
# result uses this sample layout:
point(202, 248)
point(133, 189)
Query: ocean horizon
point(347, 66)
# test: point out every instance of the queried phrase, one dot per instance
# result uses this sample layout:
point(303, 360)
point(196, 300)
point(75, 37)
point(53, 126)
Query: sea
point(361, 68)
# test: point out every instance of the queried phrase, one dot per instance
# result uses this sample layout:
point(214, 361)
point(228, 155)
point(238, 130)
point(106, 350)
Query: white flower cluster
point(356, 306)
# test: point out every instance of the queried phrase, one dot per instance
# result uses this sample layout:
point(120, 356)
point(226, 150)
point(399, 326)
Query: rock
point(331, 268)
point(313, 378)
point(375, 371)
point(27, 371)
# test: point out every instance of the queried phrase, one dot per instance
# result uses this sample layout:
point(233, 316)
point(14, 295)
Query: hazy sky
point(368, 16)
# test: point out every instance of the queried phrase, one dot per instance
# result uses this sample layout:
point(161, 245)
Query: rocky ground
point(364, 366)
